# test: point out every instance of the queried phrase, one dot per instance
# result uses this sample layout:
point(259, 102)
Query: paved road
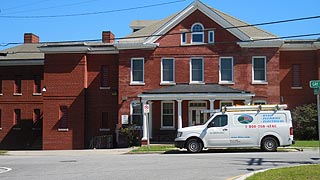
point(81, 165)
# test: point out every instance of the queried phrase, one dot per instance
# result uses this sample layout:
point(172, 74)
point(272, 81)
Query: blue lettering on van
point(245, 119)
point(268, 118)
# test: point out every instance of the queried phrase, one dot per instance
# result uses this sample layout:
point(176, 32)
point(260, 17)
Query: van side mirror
point(210, 125)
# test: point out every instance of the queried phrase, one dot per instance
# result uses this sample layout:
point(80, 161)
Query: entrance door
point(195, 115)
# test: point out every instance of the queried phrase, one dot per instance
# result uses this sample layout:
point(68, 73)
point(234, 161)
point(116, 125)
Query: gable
point(152, 33)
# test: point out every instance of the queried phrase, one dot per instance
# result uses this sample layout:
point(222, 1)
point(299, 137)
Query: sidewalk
point(68, 152)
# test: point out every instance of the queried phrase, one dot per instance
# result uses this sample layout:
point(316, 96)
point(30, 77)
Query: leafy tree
point(305, 122)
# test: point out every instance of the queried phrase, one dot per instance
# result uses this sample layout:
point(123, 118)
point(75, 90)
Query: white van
point(264, 126)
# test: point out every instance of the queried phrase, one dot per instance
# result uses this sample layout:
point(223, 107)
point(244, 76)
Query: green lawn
point(306, 144)
point(309, 172)
point(154, 148)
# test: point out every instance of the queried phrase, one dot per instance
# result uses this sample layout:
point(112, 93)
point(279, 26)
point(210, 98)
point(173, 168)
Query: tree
point(305, 122)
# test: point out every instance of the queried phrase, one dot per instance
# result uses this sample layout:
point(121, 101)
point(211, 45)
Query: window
point(17, 85)
point(219, 121)
point(167, 70)
point(211, 37)
point(104, 76)
point(296, 75)
point(226, 70)
point(259, 69)
point(104, 126)
point(167, 114)
point(136, 113)
point(0, 85)
point(259, 102)
point(36, 116)
point(197, 33)
point(184, 38)
point(63, 118)
point(137, 70)
point(17, 118)
point(226, 103)
point(196, 68)
point(36, 84)
point(0, 119)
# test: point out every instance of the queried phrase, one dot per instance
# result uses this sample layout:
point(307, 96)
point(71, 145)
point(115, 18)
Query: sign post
point(315, 85)
point(146, 109)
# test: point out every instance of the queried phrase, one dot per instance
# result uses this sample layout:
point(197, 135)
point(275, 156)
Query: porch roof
point(196, 92)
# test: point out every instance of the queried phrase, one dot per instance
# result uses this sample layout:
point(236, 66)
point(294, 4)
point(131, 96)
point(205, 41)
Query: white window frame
point(265, 70)
point(132, 82)
point(173, 114)
point(197, 33)
point(197, 82)
point(210, 33)
point(232, 71)
point(185, 37)
point(173, 75)
point(221, 102)
point(260, 102)
point(131, 112)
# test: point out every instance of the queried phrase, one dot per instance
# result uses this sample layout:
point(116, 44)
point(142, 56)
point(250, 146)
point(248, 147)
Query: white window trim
point(131, 73)
point(209, 33)
point(197, 82)
point(131, 111)
point(220, 103)
point(259, 101)
point(184, 36)
point(167, 82)
point(265, 74)
point(167, 127)
point(192, 33)
point(232, 73)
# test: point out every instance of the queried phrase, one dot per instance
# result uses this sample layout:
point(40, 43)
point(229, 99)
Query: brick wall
point(22, 137)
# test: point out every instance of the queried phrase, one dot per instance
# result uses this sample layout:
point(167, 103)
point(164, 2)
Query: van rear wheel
point(269, 144)
point(194, 145)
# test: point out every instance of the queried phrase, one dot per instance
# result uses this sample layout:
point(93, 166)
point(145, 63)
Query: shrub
point(305, 122)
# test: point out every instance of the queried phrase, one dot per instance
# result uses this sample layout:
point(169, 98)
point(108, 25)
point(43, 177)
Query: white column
point(144, 123)
point(247, 101)
point(150, 119)
point(179, 114)
point(211, 106)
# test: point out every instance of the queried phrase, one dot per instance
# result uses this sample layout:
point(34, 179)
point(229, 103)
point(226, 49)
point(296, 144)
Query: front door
point(196, 117)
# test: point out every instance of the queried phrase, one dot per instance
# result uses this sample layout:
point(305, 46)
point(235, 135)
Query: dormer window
point(197, 33)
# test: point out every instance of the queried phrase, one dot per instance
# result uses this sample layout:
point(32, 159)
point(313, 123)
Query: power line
point(92, 13)
point(52, 7)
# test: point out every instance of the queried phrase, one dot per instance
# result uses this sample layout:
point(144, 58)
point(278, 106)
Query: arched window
point(197, 33)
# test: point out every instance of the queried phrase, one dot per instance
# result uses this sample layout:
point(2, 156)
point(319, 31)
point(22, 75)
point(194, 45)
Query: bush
point(305, 122)
point(131, 134)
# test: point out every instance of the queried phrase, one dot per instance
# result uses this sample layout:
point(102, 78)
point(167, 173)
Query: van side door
point(218, 132)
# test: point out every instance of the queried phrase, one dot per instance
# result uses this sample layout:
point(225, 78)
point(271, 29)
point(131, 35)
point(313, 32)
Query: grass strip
point(310, 172)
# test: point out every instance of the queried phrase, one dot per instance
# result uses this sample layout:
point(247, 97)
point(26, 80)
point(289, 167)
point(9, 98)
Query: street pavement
point(119, 165)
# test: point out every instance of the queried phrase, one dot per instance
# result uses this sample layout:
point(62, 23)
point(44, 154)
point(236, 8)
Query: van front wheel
point(194, 145)
point(269, 144)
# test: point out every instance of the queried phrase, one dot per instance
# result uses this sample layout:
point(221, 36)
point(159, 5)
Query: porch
point(173, 107)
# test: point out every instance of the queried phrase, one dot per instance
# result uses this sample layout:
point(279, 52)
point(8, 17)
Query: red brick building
point(194, 60)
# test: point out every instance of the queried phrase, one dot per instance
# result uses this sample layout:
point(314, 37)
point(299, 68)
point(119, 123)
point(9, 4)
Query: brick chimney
point(30, 38)
point(107, 37)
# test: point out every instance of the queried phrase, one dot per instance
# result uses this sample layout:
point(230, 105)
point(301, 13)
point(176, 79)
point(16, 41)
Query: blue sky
point(90, 26)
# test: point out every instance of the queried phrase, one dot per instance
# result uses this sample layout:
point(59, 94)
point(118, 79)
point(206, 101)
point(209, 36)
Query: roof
point(25, 54)
point(225, 20)
point(195, 88)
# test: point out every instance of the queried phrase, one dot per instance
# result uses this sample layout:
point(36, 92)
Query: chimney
point(30, 38)
point(107, 37)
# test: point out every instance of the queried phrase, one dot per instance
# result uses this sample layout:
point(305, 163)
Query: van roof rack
point(269, 107)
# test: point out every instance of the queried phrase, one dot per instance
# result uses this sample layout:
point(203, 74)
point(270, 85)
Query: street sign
point(315, 84)
point(146, 108)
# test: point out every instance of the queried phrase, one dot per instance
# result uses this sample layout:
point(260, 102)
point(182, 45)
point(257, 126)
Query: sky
point(20, 16)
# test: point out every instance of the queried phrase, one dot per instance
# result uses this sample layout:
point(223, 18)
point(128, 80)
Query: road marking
point(4, 169)
point(235, 177)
